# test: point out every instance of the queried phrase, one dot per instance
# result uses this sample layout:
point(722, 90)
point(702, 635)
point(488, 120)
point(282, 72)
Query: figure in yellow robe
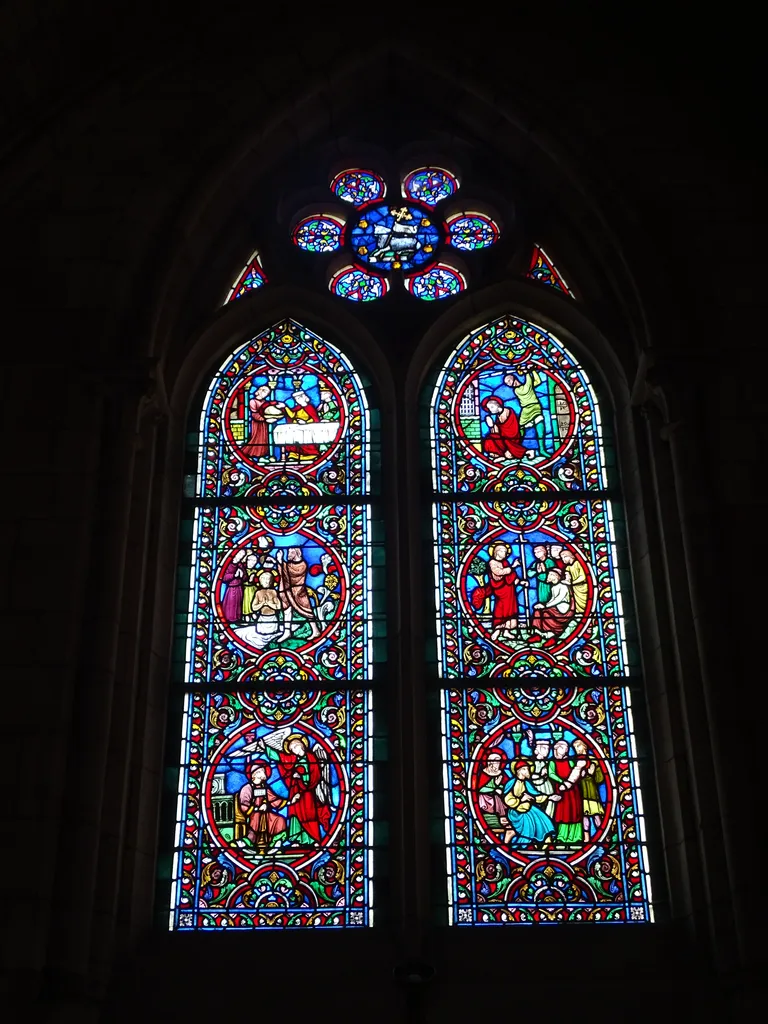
point(577, 580)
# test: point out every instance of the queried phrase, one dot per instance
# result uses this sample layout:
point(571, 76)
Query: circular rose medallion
point(395, 237)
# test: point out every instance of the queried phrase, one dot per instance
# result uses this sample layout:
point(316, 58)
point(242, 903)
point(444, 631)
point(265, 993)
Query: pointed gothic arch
point(540, 758)
point(180, 319)
point(274, 809)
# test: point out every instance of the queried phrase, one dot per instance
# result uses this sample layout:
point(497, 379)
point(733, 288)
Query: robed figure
point(294, 593)
point(553, 617)
point(491, 783)
point(308, 785)
point(302, 414)
point(503, 437)
point(500, 588)
point(569, 811)
point(257, 446)
point(234, 578)
point(529, 823)
point(259, 804)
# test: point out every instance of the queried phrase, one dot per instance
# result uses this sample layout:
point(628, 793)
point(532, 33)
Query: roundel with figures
point(515, 796)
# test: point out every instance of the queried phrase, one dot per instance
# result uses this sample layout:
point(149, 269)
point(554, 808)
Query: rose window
point(411, 238)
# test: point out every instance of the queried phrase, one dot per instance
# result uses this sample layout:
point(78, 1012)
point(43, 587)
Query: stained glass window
point(383, 238)
point(439, 282)
point(277, 619)
point(544, 818)
point(319, 234)
point(358, 285)
point(543, 269)
point(358, 187)
point(251, 276)
point(469, 231)
point(430, 185)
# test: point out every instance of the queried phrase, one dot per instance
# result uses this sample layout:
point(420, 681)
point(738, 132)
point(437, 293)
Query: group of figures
point(282, 579)
point(547, 590)
point(274, 822)
point(274, 825)
point(554, 796)
point(542, 797)
point(298, 814)
point(558, 578)
point(510, 395)
point(299, 428)
point(288, 400)
point(528, 577)
point(289, 596)
point(513, 421)
point(265, 595)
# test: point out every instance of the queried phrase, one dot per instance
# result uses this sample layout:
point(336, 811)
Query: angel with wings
point(306, 775)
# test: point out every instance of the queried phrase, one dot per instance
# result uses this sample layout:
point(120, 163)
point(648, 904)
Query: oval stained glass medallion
point(470, 231)
point(358, 187)
point(395, 237)
point(319, 234)
point(439, 282)
point(358, 285)
point(430, 185)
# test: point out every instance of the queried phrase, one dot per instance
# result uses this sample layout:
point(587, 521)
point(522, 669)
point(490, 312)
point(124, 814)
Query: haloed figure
point(502, 581)
point(576, 579)
point(309, 813)
point(303, 414)
point(503, 437)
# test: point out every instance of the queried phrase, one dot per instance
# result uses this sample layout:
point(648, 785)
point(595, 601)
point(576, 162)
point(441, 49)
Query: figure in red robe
point(304, 412)
point(501, 588)
point(569, 810)
point(309, 813)
point(258, 443)
point(553, 618)
point(503, 437)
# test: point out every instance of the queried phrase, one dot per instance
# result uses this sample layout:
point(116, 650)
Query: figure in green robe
point(541, 566)
point(524, 384)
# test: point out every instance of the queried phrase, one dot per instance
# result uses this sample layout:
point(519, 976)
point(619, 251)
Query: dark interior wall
point(135, 151)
